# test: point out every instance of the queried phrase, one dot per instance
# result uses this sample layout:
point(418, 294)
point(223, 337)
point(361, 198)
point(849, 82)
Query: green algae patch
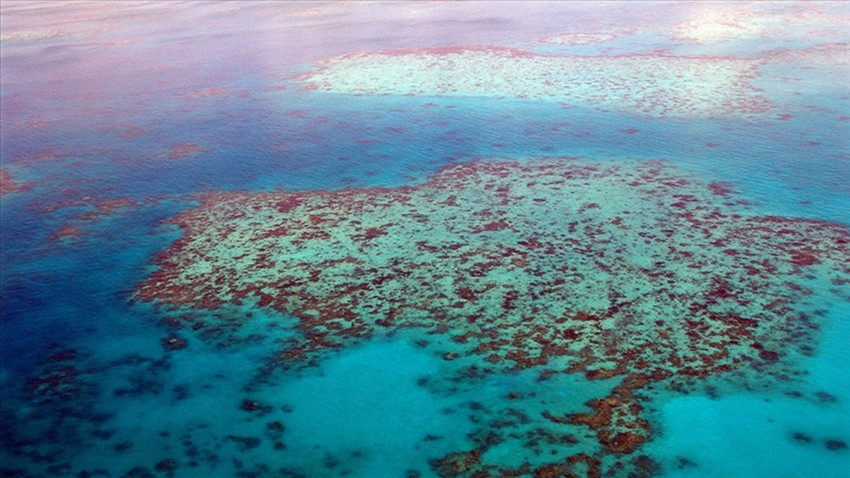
point(630, 271)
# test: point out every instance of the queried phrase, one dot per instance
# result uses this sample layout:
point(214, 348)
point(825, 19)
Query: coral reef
point(652, 84)
point(622, 270)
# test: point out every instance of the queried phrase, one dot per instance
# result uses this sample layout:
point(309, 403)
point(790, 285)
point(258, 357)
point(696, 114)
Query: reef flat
point(651, 84)
point(633, 271)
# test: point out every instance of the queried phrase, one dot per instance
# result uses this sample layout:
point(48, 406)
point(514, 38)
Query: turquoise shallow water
point(152, 105)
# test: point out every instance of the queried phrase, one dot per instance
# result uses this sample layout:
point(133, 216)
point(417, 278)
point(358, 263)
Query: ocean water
point(118, 117)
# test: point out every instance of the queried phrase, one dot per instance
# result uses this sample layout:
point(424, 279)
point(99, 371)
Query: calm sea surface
point(117, 117)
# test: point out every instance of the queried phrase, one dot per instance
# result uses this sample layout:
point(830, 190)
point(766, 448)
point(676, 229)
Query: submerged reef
point(654, 84)
point(8, 185)
point(633, 271)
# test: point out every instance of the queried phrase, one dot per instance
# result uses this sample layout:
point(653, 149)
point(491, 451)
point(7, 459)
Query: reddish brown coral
point(627, 269)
